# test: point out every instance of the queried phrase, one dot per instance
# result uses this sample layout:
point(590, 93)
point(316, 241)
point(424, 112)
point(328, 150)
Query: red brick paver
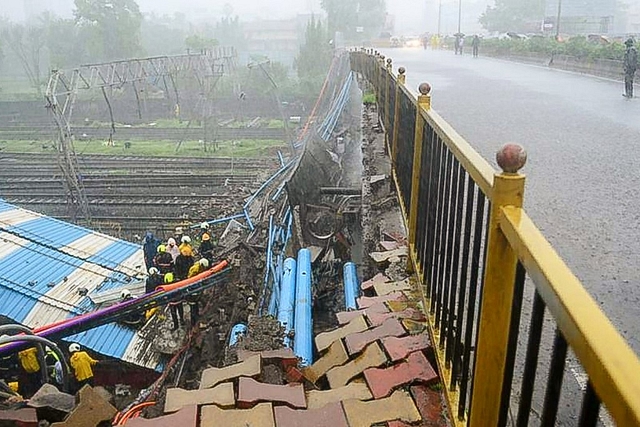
point(399, 348)
point(356, 342)
point(251, 367)
point(284, 355)
point(371, 357)
point(383, 381)
point(378, 278)
point(25, 417)
point(185, 417)
point(325, 339)
point(251, 392)
point(364, 302)
point(346, 316)
point(331, 415)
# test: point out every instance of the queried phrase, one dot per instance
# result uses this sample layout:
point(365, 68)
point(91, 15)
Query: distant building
point(582, 16)
point(279, 40)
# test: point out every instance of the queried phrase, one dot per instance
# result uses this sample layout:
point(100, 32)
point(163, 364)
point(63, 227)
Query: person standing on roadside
point(475, 44)
point(630, 67)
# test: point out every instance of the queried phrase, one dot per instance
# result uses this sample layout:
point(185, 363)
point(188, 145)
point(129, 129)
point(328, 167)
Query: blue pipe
point(219, 220)
point(286, 308)
point(351, 285)
point(267, 269)
point(303, 323)
point(237, 330)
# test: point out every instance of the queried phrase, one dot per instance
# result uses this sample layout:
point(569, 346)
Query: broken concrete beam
point(383, 381)
point(251, 392)
point(185, 417)
point(24, 417)
point(325, 339)
point(347, 316)
point(400, 348)
point(389, 246)
point(381, 257)
point(335, 356)
point(371, 357)
point(376, 319)
point(365, 302)
point(260, 415)
point(91, 410)
point(221, 395)
point(399, 406)
point(50, 397)
point(354, 390)
point(251, 367)
point(390, 328)
point(331, 415)
point(389, 287)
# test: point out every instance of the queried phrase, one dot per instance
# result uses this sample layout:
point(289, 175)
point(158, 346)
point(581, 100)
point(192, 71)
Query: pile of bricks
point(372, 370)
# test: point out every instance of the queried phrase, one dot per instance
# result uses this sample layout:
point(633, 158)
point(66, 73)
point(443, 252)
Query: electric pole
point(558, 20)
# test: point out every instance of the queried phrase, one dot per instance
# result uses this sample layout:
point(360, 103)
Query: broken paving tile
point(50, 397)
point(390, 328)
point(251, 367)
point(400, 348)
point(382, 381)
point(376, 319)
point(90, 411)
point(285, 355)
point(354, 390)
point(380, 257)
point(331, 415)
point(260, 415)
point(414, 327)
point(325, 339)
point(365, 302)
point(378, 278)
point(389, 287)
point(24, 417)
point(430, 404)
point(389, 246)
point(335, 356)
point(371, 357)
point(346, 316)
point(221, 395)
point(399, 406)
point(251, 392)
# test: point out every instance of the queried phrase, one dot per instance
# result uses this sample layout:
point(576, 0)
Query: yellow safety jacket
point(29, 360)
point(81, 363)
point(195, 269)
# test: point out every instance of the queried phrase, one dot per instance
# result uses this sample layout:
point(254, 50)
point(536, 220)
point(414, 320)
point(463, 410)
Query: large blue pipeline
point(303, 323)
point(351, 285)
point(286, 307)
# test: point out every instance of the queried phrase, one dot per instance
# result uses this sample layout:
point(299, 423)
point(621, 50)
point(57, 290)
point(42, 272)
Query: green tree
point(197, 43)
point(114, 27)
point(312, 63)
point(229, 32)
point(347, 16)
point(27, 44)
point(513, 15)
point(63, 41)
point(162, 35)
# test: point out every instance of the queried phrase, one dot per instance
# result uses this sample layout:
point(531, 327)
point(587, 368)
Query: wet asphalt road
point(583, 170)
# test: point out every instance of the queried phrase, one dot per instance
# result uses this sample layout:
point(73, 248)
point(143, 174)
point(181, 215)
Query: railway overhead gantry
point(205, 67)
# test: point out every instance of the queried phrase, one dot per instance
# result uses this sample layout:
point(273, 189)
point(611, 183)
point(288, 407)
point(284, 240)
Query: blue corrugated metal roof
point(44, 265)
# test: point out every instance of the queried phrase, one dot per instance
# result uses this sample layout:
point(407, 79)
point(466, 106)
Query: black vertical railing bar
point(442, 232)
point(464, 284)
point(455, 312)
point(474, 285)
point(590, 408)
point(448, 254)
point(432, 205)
point(391, 106)
point(554, 381)
point(531, 361)
point(448, 251)
point(512, 344)
point(432, 257)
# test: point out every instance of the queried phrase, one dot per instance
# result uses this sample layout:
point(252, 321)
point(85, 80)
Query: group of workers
point(31, 377)
point(171, 262)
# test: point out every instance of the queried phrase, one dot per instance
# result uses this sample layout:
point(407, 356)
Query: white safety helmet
point(204, 262)
point(126, 293)
point(204, 226)
point(171, 241)
point(186, 239)
point(179, 230)
point(74, 347)
point(152, 271)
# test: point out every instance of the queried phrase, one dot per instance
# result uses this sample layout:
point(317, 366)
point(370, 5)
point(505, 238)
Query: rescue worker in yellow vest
point(194, 299)
point(31, 381)
point(82, 364)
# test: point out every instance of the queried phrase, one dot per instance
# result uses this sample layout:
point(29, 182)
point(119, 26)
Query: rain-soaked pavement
point(583, 173)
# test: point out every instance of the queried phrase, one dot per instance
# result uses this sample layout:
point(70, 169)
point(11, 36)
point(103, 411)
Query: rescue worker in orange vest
point(82, 365)
point(32, 379)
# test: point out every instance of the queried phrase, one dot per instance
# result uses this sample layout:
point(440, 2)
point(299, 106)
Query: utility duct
point(351, 285)
point(303, 324)
point(286, 307)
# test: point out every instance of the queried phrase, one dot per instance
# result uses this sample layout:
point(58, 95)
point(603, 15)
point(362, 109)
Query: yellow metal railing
point(471, 245)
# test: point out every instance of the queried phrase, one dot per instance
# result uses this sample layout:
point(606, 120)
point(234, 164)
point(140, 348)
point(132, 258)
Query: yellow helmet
point(168, 278)
point(161, 249)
